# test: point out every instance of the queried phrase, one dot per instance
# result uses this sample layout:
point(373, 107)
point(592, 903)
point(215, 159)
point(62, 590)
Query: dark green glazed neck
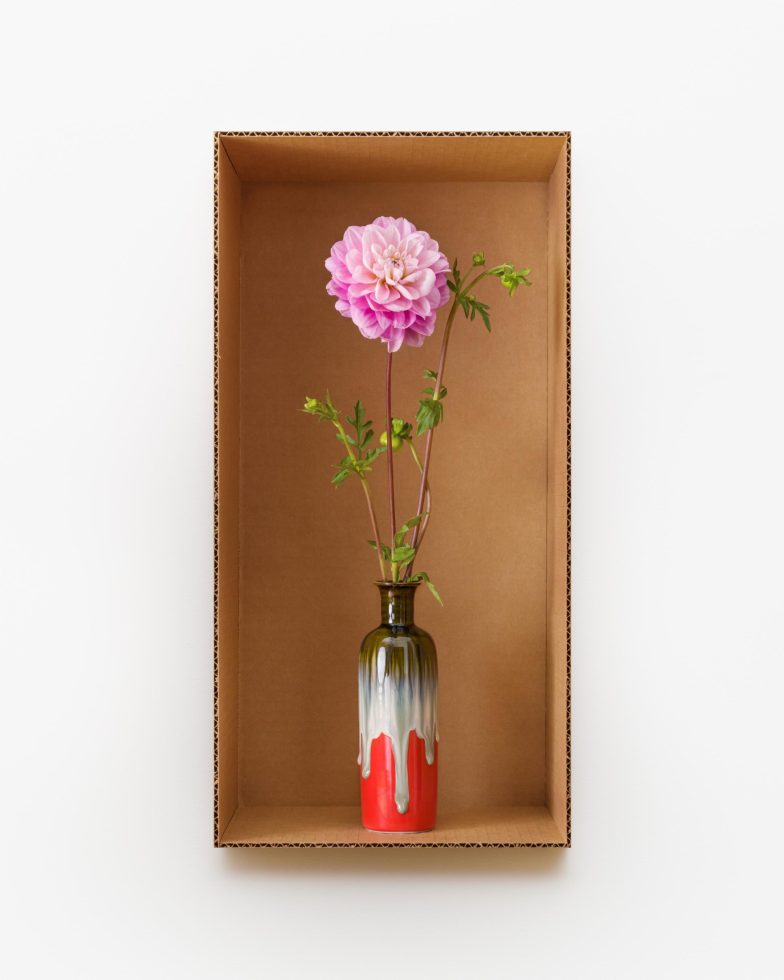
point(397, 603)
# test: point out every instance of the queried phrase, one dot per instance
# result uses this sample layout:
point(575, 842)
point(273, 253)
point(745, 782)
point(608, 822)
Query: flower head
point(390, 279)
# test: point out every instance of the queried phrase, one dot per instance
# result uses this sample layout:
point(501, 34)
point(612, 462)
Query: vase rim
point(397, 585)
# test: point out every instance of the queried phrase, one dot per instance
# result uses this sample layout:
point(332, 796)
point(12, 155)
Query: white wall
point(107, 868)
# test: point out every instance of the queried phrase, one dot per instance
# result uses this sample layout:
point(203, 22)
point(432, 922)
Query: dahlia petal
point(394, 341)
point(353, 237)
point(421, 305)
point(434, 296)
point(368, 325)
point(421, 281)
point(399, 304)
point(424, 324)
point(353, 259)
point(338, 270)
point(363, 275)
point(428, 258)
point(414, 339)
point(375, 235)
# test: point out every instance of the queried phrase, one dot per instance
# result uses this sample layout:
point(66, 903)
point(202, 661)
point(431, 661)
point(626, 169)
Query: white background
point(107, 864)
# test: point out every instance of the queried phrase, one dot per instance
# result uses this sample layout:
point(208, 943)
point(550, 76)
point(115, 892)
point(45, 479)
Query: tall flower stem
point(423, 484)
point(390, 464)
point(428, 505)
point(419, 530)
point(374, 524)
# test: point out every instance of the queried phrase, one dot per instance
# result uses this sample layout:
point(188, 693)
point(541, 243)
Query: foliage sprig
point(510, 278)
point(431, 410)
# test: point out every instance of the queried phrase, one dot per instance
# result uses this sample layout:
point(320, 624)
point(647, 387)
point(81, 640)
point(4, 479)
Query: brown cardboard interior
point(294, 573)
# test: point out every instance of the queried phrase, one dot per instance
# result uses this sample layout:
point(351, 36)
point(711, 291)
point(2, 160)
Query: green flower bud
point(397, 442)
point(311, 404)
point(478, 258)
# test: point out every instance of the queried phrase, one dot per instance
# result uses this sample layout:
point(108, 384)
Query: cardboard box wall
point(294, 592)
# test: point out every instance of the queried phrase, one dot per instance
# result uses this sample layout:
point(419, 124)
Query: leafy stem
point(431, 411)
point(390, 464)
point(416, 535)
point(428, 505)
point(366, 487)
point(356, 460)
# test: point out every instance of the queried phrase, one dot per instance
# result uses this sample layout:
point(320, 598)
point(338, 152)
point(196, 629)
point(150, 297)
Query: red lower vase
point(379, 810)
point(398, 726)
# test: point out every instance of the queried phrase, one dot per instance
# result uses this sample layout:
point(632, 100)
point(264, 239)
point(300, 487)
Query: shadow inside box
point(406, 861)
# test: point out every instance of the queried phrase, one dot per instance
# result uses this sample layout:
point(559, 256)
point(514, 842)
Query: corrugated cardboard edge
point(217, 136)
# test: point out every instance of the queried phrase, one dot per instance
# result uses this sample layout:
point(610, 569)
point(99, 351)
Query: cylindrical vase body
point(398, 718)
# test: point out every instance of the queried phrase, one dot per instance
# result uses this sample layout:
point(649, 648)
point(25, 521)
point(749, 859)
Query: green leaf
point(339, 477)
point(424, 577)
point(429, 414)
point(406, 527)
point(430, 375)
point(510, 277)
point(324, 411)
point(403, 554)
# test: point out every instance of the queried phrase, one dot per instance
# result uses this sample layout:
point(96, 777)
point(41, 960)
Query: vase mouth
point(397, 585)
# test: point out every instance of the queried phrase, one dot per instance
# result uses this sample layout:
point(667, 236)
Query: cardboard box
point(294, 591)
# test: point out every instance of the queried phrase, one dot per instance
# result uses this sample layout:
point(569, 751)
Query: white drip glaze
point(398, 690)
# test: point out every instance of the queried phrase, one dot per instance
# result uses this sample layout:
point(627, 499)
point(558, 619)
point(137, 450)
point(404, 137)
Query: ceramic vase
point(398, 718)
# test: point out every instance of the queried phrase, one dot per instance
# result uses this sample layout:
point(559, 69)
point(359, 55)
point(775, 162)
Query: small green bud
point(478, 258)
point(397, 442)
point(322, 410)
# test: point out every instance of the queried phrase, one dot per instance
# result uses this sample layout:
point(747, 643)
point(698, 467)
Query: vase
point(398, 718)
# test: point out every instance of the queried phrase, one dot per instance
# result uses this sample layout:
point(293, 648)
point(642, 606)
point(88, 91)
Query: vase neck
point(397, 603)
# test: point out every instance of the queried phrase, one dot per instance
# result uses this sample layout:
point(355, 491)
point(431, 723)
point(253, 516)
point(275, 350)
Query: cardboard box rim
point(362, 838)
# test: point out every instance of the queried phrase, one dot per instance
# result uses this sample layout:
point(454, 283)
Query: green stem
point(390, 463)
point(429, 438)
point(464, 289)
point(428, 504)
point(366, 487)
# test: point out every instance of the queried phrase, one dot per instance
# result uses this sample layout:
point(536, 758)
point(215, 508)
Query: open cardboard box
point(294, 591)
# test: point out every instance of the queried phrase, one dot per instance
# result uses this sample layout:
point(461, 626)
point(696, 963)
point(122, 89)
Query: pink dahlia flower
point(390, 279)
